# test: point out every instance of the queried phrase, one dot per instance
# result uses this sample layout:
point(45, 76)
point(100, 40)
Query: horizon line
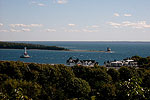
point(85, 40)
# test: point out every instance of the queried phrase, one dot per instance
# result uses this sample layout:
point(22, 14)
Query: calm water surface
point(121, 51)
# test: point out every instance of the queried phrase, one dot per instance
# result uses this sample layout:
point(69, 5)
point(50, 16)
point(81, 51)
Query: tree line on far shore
point(31, 81)
point(12, 45)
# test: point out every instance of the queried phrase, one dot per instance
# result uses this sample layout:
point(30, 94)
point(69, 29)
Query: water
point(121, 50)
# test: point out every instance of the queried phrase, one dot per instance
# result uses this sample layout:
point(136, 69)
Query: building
point(125, 62)
point(73, 62)
point(108, 50)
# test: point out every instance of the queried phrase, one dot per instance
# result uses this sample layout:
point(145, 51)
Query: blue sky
point(75, 20)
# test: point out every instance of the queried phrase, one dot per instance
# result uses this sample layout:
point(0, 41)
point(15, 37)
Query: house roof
point(77, 60)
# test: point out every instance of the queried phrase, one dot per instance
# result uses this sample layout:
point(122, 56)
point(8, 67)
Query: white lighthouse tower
point(25, 55)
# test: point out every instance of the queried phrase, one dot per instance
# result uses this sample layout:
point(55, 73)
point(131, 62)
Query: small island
point(13, 45)
point(75, 50)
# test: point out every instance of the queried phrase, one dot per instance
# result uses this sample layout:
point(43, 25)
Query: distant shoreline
point(14, 45)
point(89, 51)
point(78, 41)
point(70, 50)
point(19, 46)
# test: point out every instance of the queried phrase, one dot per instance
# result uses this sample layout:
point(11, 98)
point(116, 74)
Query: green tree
point(114, 74)
point(136, 58)
point(78, 88)
point(17, 94)
point(125, 73)
point(132, 90)
point(29, 89)
point(146, 79)
point(106, 92)
point(143, 61)
point(11, 69)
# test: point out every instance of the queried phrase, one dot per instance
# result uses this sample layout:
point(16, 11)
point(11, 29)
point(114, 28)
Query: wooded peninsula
point(12, 45)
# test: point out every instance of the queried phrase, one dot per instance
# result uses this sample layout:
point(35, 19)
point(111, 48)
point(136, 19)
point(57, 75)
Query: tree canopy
point(27, 81)
point(13, 45)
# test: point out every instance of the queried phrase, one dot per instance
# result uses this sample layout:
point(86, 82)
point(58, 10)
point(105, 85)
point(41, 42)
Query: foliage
point(146, 79)
point(30, 89)
point(78, 87)
point(114, 74)
point(132, 90)
point(17, 94)
point(125, 73)
point(12, 45)
point(27, 81)
point(142, 62)
point(106, 92)
point(95, 76)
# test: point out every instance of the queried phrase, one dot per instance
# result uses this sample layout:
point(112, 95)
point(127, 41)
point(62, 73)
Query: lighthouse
point(108, 49)
point(25, 55)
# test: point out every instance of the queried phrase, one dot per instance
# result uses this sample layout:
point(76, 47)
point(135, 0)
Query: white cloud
point(61, 1)
point(50, 30)
point(139, 24)
point(17, 25)
point(41, 4)
point(87, 30)
point(127, 15)
point(35, 25)
point(72, 30)
point(90, 28)
point(116, 25)
point(1, 24)
point(4, 31)
point(95, 26)
point(22, 30)
point(26, 30)
point(147, 26)
point(71, 24)
point(81, 30)
point(14, 30)
point(24, 25)
point(38, 4)
point(116, 14)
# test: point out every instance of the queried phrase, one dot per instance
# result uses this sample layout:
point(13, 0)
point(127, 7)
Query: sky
point(74, 20)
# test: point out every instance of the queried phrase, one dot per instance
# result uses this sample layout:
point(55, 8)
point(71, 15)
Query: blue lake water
point(121, 50)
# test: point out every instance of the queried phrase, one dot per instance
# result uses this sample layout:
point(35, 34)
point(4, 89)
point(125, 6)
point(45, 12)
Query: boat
point(25, 55)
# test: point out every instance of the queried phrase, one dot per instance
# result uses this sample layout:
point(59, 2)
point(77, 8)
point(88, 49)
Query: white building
point(73, 62)
point(125, 62)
